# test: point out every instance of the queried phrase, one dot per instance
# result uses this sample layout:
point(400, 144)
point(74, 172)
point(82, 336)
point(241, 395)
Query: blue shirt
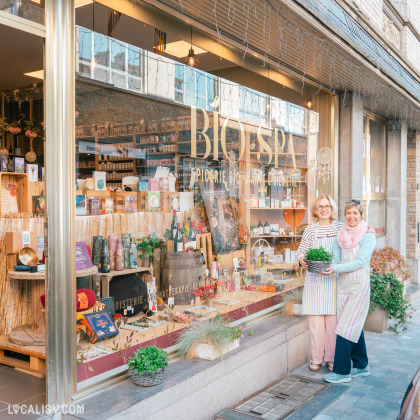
point(363, 256)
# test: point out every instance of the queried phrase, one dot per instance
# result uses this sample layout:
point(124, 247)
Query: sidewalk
point(393, 360)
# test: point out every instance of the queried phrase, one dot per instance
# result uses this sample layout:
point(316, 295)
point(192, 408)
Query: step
point(412, 292)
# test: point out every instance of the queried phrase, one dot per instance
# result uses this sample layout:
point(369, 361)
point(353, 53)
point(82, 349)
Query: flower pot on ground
point(208, 339)
point(387, 293)
point(148, 365)
point(377, 321)
point(318, 260)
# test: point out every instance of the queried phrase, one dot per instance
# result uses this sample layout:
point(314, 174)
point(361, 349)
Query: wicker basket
point(144, 380)
point(318, 266)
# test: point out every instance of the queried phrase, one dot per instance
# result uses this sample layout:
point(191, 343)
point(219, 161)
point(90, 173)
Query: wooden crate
point(36, 363)
point(35, 189)
point(204, 242)
point(20, 181)
point(166, 200)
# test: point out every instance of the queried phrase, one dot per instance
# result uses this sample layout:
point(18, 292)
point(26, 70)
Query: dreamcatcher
point(324, 165)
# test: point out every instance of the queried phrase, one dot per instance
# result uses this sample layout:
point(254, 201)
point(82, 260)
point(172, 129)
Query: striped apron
point(319, 291)
point(353, 299)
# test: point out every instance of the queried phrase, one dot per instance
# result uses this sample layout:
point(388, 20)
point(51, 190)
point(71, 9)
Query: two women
point(352, 252)
point(319, 293)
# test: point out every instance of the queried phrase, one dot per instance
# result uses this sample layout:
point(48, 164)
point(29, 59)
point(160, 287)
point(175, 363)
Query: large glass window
point(197, 166)
point(374, 172)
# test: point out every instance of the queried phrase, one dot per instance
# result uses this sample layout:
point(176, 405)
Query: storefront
point(205, 170)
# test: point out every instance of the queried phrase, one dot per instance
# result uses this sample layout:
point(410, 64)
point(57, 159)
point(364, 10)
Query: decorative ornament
point(324, 164)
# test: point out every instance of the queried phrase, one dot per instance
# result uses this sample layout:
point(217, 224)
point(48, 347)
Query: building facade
point(307, 97)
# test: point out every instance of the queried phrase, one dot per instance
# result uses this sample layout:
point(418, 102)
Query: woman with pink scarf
point(352, 253)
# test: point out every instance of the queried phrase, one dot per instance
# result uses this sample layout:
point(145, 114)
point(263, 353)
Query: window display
point(193, 208)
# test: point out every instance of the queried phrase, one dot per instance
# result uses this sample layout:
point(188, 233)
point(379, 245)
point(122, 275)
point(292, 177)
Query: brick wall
point(97, 105)
point(413, 195)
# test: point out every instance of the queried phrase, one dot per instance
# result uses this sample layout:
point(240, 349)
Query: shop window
point(252, 106)
point(113, 62)
point(140, 157)
point(193, 87)
point(374, 172)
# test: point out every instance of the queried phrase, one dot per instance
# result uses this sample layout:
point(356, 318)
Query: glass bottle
point(119, 256)
point(105, 261)
point(133, 254)
point(266, 228)
point(260, 228)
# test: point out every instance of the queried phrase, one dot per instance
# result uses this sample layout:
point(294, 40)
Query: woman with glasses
point(319, 292)
point(351, 261)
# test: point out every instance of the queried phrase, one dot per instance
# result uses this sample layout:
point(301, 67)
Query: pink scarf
point(349, 237)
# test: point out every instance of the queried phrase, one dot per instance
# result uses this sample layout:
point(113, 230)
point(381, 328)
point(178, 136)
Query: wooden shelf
point(280, 208)
point(275, 236)
point(116, 159)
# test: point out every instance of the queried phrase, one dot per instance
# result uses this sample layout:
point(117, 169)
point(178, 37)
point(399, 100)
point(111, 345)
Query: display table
point(31, 334)
point(34, 334)
point(105, 278)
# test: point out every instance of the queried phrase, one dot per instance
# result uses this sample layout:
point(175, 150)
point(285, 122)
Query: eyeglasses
point(324, 207)
point(353, 201)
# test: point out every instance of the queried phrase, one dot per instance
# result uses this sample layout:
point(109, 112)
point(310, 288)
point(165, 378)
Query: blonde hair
point(358, 206)
point(314, 207)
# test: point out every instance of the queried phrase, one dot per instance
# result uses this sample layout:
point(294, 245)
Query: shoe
point(314, 367)
point(330, 366)
point(335, 378)
point(360, 372)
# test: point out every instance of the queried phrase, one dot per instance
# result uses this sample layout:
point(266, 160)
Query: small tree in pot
point(318, 260)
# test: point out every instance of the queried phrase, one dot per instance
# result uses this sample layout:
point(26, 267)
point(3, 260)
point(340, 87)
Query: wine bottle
point(119, 256)
point(174, 227)
point(132, 255)
point(260, 228)
point(191, 237)
point(105, 263)
point(266, 228)
point(179, 244)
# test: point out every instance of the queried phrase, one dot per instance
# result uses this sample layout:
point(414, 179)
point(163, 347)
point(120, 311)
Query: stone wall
point(413, 195)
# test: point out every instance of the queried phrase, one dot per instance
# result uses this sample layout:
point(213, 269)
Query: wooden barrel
point(186, 271)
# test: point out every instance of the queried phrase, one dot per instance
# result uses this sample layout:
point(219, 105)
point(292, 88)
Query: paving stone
point(270, 416)
point(258, 399)
point(260, 410)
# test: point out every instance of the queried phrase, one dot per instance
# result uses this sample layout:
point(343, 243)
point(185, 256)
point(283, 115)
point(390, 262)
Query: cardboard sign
point(83, 259)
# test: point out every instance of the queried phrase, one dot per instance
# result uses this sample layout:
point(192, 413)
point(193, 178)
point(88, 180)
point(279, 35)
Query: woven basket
point(317, 266)
point(144, 380)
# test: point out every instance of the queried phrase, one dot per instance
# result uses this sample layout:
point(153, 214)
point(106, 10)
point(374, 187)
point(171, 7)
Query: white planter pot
point(297, 309)
point(209, 352)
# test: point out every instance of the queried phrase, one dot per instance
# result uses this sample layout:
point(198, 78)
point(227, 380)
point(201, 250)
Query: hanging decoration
point(324, 164)
point(160, 42)
point(31, 132)
point(113, 19)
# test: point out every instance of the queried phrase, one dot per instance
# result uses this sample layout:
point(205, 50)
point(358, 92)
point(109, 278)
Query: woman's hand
point(303, 263)
point(329, 271)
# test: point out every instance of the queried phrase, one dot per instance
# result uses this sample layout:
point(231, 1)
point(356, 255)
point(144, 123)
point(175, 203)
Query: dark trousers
point(346, 351)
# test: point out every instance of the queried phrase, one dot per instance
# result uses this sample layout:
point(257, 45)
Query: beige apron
point(353, 299)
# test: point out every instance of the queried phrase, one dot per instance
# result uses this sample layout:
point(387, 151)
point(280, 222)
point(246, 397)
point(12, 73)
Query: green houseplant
point(148, 365)
point(208, 339)
point(389, 272)
point(146, 247)
point(318, 260)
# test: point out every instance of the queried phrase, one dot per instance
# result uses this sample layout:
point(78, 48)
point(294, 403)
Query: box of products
point(99, 179)
point(19, 164)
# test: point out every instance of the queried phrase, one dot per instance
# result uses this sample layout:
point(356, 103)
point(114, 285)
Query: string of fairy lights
point(344, 76)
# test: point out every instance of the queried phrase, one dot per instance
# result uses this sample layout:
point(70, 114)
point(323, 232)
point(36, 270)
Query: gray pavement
point(393, 360)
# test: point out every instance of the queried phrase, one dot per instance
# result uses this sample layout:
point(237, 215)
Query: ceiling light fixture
point(309, 103)
point(38, 74)
point(191, 60)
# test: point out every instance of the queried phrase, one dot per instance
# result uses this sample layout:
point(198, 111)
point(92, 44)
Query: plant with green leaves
point(148, 244)
point(148, 361)
point(214, 332)
point(387, 291)
point(318, 254)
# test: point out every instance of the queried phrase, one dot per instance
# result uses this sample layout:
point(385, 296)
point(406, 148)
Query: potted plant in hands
point(318, 260)
point(148, 365)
